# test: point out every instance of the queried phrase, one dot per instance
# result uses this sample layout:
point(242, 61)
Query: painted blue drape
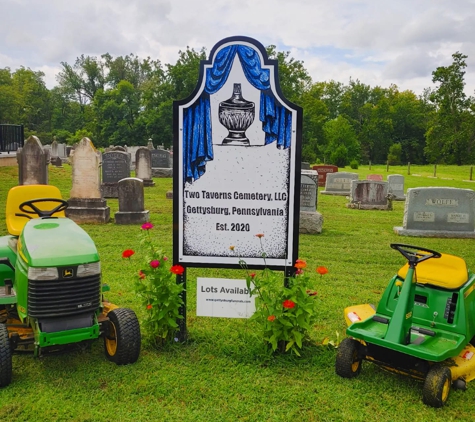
point(276, 119)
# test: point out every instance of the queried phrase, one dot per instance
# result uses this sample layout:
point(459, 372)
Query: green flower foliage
point(158, 290)
point(286, 308)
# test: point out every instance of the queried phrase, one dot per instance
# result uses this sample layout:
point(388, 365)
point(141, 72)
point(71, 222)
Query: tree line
point(127, 100)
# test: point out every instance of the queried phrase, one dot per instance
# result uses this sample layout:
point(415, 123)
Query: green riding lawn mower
point(51, 294)
point(423, 327)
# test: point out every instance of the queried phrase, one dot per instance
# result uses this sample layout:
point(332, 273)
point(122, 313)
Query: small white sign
point(224, 298)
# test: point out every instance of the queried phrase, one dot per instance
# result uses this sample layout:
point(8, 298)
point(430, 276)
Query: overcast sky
point(379, 42)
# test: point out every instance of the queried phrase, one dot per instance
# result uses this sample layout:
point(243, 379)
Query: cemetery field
point(224, 372)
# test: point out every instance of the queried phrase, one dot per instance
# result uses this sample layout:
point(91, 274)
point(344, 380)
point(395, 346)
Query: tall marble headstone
point(311, 221)
point(339, 183)
point(143, 166)
point(396, 187)
point(86, 204)
point(32, 163)
point(439, 212)
point(369, 195)
point(131, 202)
point(115, 167)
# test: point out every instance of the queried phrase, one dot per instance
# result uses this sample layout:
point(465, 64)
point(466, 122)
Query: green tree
point(341, 138)
point(315, 114)
point(450, 136)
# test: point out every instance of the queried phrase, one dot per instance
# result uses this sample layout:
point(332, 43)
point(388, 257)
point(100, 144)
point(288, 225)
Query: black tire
point(5, 357)
point(437, 386)
point(122, 342)
point(348, 361)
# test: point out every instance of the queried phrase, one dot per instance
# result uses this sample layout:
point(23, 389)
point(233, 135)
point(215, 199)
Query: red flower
point(288, 304)
point(147, 226)
point(177, 269)
point(252, 275)
point(311, 292)
point(298, 272)
point(155, 263)
point(127, 253)
point(259, 235)
point(271, 318)
point(300, 264)
point(322, 270)
point(141, 274)
point(149, 306)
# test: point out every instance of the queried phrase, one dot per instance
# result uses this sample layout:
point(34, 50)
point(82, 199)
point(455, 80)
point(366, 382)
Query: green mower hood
point(55, 242)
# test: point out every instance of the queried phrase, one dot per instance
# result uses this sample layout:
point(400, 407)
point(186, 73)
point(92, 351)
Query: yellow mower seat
point(19, 194)
point(448, 272)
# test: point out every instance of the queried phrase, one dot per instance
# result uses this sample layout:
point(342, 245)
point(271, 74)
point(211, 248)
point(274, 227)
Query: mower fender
point(358, 313)
point(463, 365)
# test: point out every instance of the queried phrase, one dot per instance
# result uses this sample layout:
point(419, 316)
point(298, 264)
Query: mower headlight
point(50, 273)
point(86, 270)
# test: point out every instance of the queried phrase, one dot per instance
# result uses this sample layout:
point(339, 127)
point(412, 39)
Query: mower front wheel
point(123, 339)
point(5, 357)
point(437, 386)
point(348, 362)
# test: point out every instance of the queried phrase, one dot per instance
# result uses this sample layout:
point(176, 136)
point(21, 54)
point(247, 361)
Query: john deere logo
point(67, 273)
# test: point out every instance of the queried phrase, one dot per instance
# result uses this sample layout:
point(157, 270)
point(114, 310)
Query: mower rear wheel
point(122, 343)
point(437, 386)
point(348, 362)
point(5, 357)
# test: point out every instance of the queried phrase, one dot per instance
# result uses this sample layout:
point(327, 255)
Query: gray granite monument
point(115, 167)
point(396, 187)
point(438, 212)
point(161, 163)
point(311, 221)
point(339, 183)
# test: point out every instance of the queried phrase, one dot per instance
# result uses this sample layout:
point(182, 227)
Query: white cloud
point(377, 42)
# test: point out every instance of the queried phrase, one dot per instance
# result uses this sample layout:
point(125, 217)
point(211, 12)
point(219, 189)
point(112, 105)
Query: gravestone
point(32, 163)
point(396, 187)
point(308, 190)
point(311, 221)
point(131, 202)
point(115, 167)
point(62, 152)
point(143, 166)
point(161, 163)
point(54, 148)
point(86, 204)
point(369, 195)
point(304, 166)
point(57, 162)
point(150, 144)
point(339, 183)
point(323, 170)
point(376, 177)
point(438, 212)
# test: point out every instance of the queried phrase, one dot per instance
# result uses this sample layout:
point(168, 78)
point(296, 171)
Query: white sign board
point(237, 140)
point(224, 298)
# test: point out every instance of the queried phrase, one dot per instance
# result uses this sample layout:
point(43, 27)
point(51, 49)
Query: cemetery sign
point(237, 144)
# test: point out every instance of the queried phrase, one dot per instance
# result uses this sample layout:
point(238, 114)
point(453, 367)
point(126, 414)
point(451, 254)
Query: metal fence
point(11, 137)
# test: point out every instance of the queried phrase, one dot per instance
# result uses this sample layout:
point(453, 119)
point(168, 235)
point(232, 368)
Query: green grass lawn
point(224, 373)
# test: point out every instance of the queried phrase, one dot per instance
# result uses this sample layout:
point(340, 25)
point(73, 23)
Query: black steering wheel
point(29, 207)
point(415, 254)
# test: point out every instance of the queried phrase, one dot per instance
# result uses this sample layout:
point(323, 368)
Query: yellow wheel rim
point(445, 390)
point(111, 341)
point(356, 362)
